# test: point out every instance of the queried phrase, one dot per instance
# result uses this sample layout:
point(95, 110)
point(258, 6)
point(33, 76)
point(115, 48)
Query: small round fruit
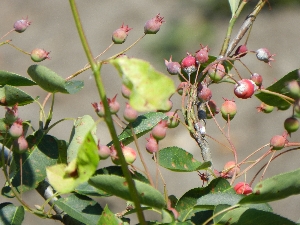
point(119, 36)
point(103, 151)
point(130, 114)
point(257, 79)
point(152, 26)
point(204, 94)
point(229, 169)
point(16, 129)
point(129, 154)
point(216, 72)
point(173, 120)
point(244, 88)
point(189, 64)
point(38, 55)
point(264, 55)
point(202, 54)
point(228, 108)
point(277, 142)
point(265, 108)
point(291, 125)
point(242, 188)
point(21, 25)
point(20, 145)
point(173, 68)
point(114, 106)
point(160, 130)
point(125, 91)
point(152, 144)
point(241, 51)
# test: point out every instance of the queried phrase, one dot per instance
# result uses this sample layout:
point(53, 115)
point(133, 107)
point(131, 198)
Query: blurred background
point(188, 24)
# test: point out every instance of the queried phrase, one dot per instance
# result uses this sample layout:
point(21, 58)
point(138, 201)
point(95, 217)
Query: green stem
point(50, 113)
point(230, 27)
point(108, 118)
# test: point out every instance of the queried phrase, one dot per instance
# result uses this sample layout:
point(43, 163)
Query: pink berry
point(16, 129)
point(152, 26)
point(125, 91)
point(228, 108)
point(173, 68)
point(213, 108)
point(291, 125)
point(99, 109)
point(189, 64)
point(257, 79)
point(263, 54)
point(129, 113)
point(103, 151)
point(152, 145)
point(277, 142)
point(11, 115)
point(229, 169)
point(241, 51)
point(181, 86)
point(173, 120)
point(242, 188)
point(38, 55)
point(265, 108)
point(216, 72)
point(160, 130)
point(204, 93)
point(20, 145)
point(129, 154)
point(119, 36)
point(114, 106)
point(21, 25)
point(244, 88)
point(202, 54)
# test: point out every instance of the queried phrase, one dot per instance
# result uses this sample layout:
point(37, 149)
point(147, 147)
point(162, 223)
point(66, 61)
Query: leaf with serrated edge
point(118, 186)
point(150, 89)
point(177, 159)
point(81, 208)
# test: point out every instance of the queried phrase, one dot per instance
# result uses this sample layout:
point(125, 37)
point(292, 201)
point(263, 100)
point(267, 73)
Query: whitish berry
point(228, 108)
point(242, 188)
point(173, 68)
point(264, 55)
point(38, 55)
point(119, 36)
point(21, 25)
point(152, 26)
point(189, 64)
point(216, 72)
point(244, 88)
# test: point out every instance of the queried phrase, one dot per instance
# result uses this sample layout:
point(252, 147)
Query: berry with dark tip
point(228, 108)
point(264, 55)
point(152, 26)
point(216, 72)
point(173, 68)
point(38, 55)
point(21, 25)
point(241, 51)
point(119, 36)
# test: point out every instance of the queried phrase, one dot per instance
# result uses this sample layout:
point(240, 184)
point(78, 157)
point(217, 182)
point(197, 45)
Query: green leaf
point(80, 207)
point(51, 82)
point(81, 128)
point(43, 152)
point(150, 89)
point(278, 87)
point(234, 4)
point(108, 218)
point(10, 95)
point(87, 189)
point(14, 79)
point(275, 188)
point(62, 151)
point(142, 125)
point(186, 203)
point(177, 159)
point(11, 214)
point(248, 216)
point(118, 186)
point(64, 178)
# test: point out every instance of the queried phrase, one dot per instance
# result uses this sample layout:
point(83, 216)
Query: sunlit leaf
point(108, 218)
point(150, 89)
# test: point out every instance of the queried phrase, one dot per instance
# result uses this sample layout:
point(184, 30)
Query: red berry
point(265, 108)
point(244, 88)
point(173, 68)
point(189, 64)
point(291, 125)
point(173, 120)
point(20, 145)
point(263, 54)
point(129, 113)
point(228, 108)
point(152, 26)
point(119, 36)
point(16, 129)
point(21, 25)
point(11, 115)
point(204, 93)
point(160, 130)
point(277, 142)
point(257, 79)
point(229, 169)
point(103, 151)
point(216, 72)
point(241, 51)
point(242, 188)
point(114, 106)
point(152, 145)
point(38, 55)
point(125, 91)
point(202, 54)
point(213, 108)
